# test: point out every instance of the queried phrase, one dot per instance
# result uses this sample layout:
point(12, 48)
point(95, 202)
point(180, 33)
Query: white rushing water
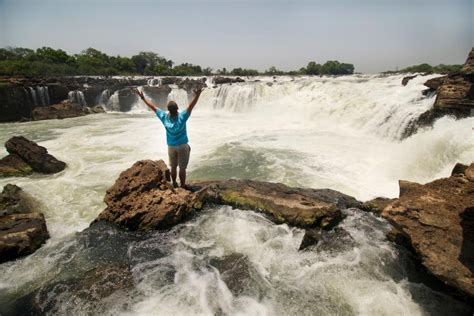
point(340, 133)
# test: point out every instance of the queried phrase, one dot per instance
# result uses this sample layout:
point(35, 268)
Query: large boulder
point(159, 95)
point(65, 109)
point(455, 96)
point(142, 198)
point(34, 155)
point(299, 207)
point(13, 166)
point(22, 231)
point(406, 79)
point(436, 221)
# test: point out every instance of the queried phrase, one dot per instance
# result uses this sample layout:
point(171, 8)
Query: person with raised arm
point(176, 134)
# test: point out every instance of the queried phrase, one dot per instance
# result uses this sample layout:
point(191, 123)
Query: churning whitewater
point(342, 133)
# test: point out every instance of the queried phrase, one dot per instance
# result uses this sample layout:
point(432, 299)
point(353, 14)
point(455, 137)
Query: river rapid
point(341, 133)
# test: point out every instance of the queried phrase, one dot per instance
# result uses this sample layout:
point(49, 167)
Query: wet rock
point(143, 199)
point(459, 169)
point(21, 234)
point(34, 155)
point(376, 205)
point(127, 98)
point(13, 166)
point(94, 110)
point(223, 80)
point(67, 295)
point(311, 237)
point(65, 109)
point(159, 95)
point(406, 79)
point(435, 83)
point(455, 97)
point(436, 220)
point(13, 200)
point(300, 207)
point(239, 275)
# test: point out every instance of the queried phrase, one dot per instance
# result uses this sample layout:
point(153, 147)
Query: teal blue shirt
point(175, 128)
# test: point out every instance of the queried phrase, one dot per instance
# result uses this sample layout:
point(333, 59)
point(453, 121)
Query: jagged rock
point(437, 222)
point(376, 205)
point(34, 155)
point(223, 80)
point(13, 166)
point(455, 97)
point(142, 198)
point(127, 98)
point(13, 200)
point(296, 206)
point(311, 237)
point(406, 79)
point(159, 95)
point(92, 286)
point(239, 275)
point(459, 168)
point(65, 109)
point(435, 83)
point(22, 231)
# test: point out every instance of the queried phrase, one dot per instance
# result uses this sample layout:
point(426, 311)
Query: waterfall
point(76, 96)
point(113, 103)
point(104, 97)
point(43, 95)
point(39, 95)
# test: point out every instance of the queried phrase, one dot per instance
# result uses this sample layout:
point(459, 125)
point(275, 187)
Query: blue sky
point(374, 35)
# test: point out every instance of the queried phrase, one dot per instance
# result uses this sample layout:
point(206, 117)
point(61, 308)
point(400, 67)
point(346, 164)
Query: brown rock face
point(62, 110)
point(406, 79)
point(455, 96)
point(22, 231)
point(296, 206)
point(13, 166)
point(437, 220)
point(21, 234)
point(142, 199)
point(34, 155)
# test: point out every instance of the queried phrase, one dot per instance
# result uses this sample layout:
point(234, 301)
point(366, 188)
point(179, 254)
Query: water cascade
point(77, 96)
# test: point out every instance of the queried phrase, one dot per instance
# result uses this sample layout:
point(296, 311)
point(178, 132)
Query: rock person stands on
point(176, 134)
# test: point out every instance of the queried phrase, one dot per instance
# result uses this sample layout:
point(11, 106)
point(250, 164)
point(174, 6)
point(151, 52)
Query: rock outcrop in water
point(22, 231)
point(436, 221)
point(455, 96)
point(26, 156)
point(65, 109)
point(142, 198)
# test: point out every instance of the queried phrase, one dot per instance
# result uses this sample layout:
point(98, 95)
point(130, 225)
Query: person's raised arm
point(148, 103)
point(191, 105)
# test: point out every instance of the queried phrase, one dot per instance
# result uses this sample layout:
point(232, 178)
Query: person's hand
point(198, 90)
point(140, 93)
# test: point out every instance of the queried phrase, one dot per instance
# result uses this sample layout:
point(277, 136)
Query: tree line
point(427, 68)
point(47, 61)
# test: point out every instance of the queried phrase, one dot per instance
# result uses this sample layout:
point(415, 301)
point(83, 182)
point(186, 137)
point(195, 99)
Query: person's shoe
point(175, 185)
point(185, 187)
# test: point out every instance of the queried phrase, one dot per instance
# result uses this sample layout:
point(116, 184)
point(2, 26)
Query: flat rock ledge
point(22, 230)
point(436, 222)
point(142, 198)
point(25, 157)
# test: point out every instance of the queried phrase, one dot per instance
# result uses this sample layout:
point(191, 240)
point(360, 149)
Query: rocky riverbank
point(433, 220)
point(454, 96)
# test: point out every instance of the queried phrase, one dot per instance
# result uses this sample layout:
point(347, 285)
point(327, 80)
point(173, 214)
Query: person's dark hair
point(173, 109)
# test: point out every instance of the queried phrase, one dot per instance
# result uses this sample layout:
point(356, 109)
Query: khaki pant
point(179, 155)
